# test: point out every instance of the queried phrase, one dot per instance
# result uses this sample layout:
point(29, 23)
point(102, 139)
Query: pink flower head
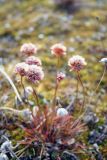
point(60, 76)
point(28, 49)
point(35, 73)
point(33, 60)
point(58, 49)
point(21, 68)
point(76, 63)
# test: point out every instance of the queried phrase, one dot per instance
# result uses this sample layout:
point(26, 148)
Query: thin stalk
point(36, 96)
point(41, 152)
point(105, 67)
point(56, 86)
point(23, 86)
point(76, 98)
point(11, 83)
point(55, 95)
point(81, 116)
point(79, 78)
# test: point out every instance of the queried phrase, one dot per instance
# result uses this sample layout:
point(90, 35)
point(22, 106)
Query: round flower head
point(28, 49)
point(76, 63)
point(62, 112)
point(60, 76)
point(21, 68)
point(103, 60)
point(35, 74)
point(58, 49)
point(33, 60)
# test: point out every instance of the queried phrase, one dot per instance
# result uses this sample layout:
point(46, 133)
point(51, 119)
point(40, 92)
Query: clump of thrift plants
point(50, 124)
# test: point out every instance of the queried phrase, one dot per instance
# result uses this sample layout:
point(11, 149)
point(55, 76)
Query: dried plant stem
point(9, 109)
point(41, 152)
point(11, 83)
point(21, 151)
point(79, 78)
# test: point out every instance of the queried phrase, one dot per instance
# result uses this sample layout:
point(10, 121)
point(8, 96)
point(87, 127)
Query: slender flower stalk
point(76, 97)
point(55, 95)
point(79, 78)
point(23, 86)
point(57, 50)
point(11, 83)
point(56, 85)
point(103, 60)
point(36, 96)
point(104, 71)
point(77, 63)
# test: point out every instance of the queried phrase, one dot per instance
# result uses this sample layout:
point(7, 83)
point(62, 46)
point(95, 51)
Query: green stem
point(36, 96)
point(79, 78)
point(105, 67)
point(56, 86)
point(55, 94)
point(81, 116)
point(23, 86)
point(76, 98)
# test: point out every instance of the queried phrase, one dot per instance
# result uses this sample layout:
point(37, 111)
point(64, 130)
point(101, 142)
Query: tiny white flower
point(62, 112)
point(103, 60)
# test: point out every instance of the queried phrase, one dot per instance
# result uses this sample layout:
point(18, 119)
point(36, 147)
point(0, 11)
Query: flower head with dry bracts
point(62, 112)
point(32, 60)
point(60, 76)
point(76, 63)
point(28, 49)
point(103, 60)
point(21, 68)
point(35, 74)
point(58, 50)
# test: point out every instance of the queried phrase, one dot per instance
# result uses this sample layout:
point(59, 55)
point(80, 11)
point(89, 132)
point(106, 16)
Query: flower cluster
point(76, 63)
point(31, 68)
point(21, 68)
point(35, 74)
point(60, 76)
point(32, 60)
point(58, 50)
point(28, 49)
